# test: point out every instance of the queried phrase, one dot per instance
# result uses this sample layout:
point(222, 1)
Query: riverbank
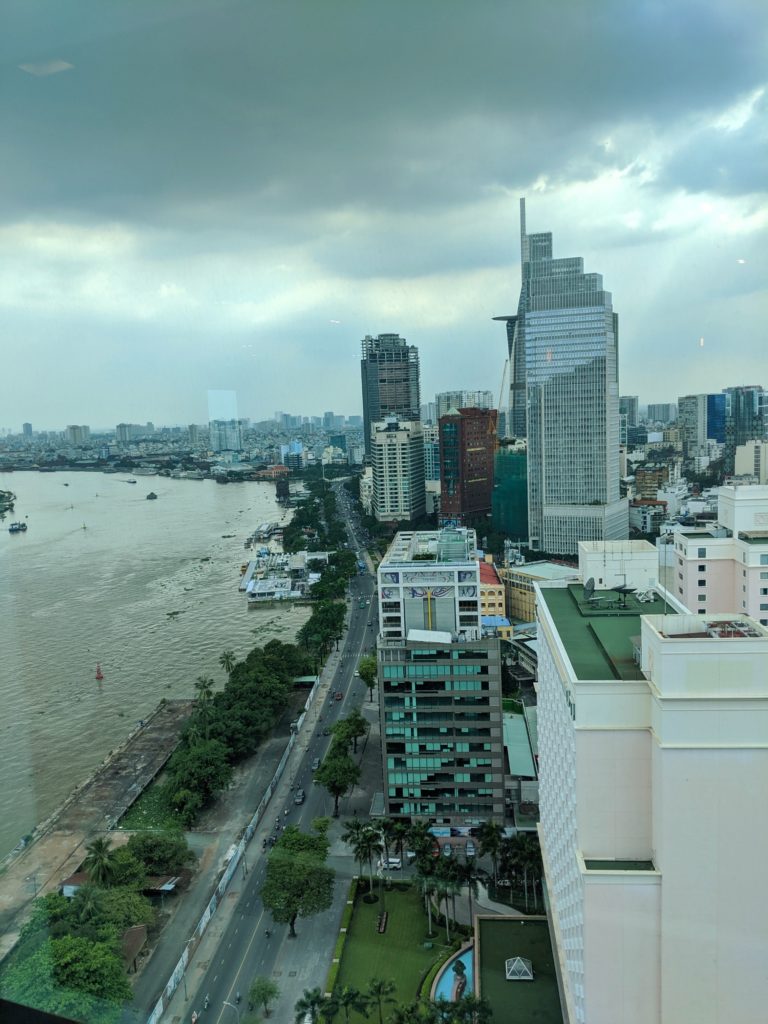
point(57, 846)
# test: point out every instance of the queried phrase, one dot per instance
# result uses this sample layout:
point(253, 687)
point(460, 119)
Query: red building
point(467, 449)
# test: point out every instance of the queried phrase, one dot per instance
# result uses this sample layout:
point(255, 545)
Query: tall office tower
point(440, 689)
point(752, 460)
point(428, 413)
point(569, 332)
point(397, 458)
point(447, 400)
point(390, 376)
point(746, 418)
point(193, 432)
point(467, 449)
point(692, 424)
point(663, 412)
point(716, 418)
point(628, 404)
point(431, 434)
point(653, 743)
point(26, 430)
point(225, 436)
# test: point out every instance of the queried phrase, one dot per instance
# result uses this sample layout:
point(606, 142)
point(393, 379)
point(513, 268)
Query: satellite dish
point(589, 588)
point(622, 588)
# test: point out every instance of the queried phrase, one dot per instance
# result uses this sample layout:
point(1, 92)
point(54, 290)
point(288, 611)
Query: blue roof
point(494, 620)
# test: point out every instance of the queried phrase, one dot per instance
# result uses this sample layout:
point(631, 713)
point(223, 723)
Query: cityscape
point(411, 662)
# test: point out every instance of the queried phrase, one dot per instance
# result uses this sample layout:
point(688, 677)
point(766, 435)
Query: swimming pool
point(446, 979)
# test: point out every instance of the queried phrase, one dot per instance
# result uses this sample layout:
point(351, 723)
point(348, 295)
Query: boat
point(17, 528)
point(151, 496)
point(99, 673)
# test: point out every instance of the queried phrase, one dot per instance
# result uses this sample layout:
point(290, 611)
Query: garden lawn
point(398, 955)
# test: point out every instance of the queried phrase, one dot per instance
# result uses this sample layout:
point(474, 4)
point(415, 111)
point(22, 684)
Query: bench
point(382, 925)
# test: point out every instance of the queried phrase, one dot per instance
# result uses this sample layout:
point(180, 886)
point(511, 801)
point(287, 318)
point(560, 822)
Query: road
point(243, 950)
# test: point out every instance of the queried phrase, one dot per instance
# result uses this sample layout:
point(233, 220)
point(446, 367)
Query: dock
point(57, 846)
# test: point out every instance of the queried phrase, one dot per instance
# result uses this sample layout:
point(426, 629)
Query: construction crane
point(495, 429)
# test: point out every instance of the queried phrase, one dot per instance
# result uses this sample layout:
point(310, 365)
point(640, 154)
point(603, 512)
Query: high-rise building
point(746, 418)
point(467, 449)
point(77, 434)
point(653, 743)
point(569, 332)
point(448, 400)
point(390, 377)
point(716, 418)
point(664, 412)
point(26, 430)
point(692, 424)
point(429, 413)
point(225, 436)
point(752, 460)
point(516, 418)
point(510, 490)
point(440, 682)
point(431, 434)
point(628, 405)
point(397, 458)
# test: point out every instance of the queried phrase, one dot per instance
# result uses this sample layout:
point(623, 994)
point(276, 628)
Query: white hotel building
point(653, 745)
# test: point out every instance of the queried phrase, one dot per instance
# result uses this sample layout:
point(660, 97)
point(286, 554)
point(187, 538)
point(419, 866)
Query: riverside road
point(236, 949)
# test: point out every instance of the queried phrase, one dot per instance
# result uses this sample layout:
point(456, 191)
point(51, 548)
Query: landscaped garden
point(402, 953)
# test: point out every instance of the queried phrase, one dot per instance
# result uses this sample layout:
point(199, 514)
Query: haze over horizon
point(230, 196)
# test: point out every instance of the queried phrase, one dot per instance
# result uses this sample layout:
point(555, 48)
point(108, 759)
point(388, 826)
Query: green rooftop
point(600, 635)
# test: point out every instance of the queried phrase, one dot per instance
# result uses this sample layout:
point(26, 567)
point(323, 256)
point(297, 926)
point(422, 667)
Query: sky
point(213, 195)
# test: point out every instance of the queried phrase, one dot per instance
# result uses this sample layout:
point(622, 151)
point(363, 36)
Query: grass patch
point(398, 954)
point(152, 811)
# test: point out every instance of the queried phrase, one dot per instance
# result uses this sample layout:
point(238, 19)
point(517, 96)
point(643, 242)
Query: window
point(702, 568)
point(702, 553)
point(702, 583)
point(763, 559)
point(763, 590)
point(702, 597)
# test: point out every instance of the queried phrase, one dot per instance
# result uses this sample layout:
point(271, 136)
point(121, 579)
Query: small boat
point(99, 673)
point(131, 481)
point(17, 528)
point(151, 496)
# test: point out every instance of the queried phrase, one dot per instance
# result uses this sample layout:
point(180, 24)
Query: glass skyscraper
point(566, 337)
point(390, 377)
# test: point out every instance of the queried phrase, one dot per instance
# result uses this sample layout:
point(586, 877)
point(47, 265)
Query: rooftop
point(449, 545)
point(546, 570)
point(488, 574)
point(600, 635)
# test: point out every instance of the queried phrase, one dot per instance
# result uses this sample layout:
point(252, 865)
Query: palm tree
point(347, 1000)
point(472, 1009)
point(489, 836)
point(353, 829)
point(387, 829)
point(402, 831)
point(468, 875)
point(420, 838)
point(204, 687)
point(86, 904)
point(371, 845)
point(227, 661)
point(380, 992)
point(312, 1002)
point(98, 862)
point(363, 840)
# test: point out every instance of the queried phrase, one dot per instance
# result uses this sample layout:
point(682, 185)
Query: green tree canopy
point(262, 992)
point(161, 853)
point(368, 669)
point(297, 884)
point(338, 774)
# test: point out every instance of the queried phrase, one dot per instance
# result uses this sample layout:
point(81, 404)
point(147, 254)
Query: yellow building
point(518, 582)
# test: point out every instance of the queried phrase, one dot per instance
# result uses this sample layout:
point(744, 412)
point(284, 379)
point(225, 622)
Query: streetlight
point(227, 1003)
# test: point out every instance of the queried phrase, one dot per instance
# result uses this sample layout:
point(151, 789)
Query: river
point(149, 589)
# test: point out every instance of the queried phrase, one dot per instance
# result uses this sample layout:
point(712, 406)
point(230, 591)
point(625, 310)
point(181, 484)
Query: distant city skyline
point(229, 219)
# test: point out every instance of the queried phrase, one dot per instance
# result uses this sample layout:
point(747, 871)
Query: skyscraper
point(745, 419)
point(390, 377)
point(467, 449)
point(692, 424)
point(565, 335)
point(397, 455)
point(629, 405)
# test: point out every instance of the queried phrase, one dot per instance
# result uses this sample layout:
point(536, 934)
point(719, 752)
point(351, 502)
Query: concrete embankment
point(57, 846)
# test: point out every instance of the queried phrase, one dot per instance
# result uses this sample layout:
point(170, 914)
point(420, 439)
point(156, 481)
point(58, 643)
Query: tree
point(489, 836)
point(127, 870)
point(345, 1001)
point(227, 661)
point(468, 877)
point(363, 839)
point(161, 853)
point(338, 774)
point(387, 830)
point(90, 967)
point(472, 1009)
point(427, 883)
point(298, 884)
point(204, 688)
point(379, 993)
point(262, 992)
point(98, 861)
point(311, 1003)
point(351, 728)
point(368, 669)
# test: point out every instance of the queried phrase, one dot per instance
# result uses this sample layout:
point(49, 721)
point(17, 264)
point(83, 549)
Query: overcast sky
point(207, 194)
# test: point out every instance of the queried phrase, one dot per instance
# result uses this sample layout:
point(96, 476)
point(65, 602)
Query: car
point(299, 797)
point(315, 764)
point(447, 850)
point(357, 675)
point(469, 849)
point(338, 695)
point(326, 731)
